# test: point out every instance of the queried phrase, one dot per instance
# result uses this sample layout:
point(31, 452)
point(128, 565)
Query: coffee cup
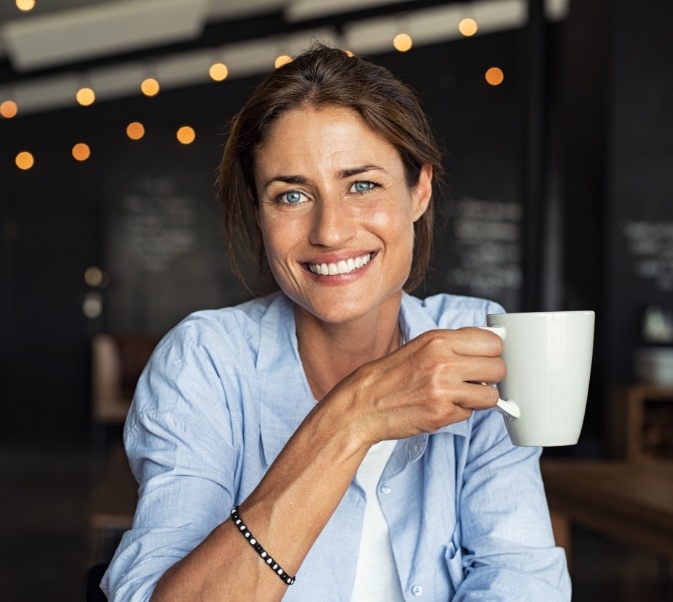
point(548, 356)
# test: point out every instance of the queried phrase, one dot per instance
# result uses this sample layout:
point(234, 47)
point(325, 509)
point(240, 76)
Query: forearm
point(286, 513)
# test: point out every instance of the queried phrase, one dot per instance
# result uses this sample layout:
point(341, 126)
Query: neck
point(330, 352)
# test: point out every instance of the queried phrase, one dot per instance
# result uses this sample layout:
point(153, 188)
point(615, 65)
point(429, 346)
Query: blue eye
point(292, 197)
point(362, 186)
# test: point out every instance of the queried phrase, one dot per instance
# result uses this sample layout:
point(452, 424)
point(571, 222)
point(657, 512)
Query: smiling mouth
point(341, 267)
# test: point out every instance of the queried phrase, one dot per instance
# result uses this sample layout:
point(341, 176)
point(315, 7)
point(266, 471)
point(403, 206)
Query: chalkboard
point(487, 249)
point(156, 226)
point(650, 247)
point(164, 254)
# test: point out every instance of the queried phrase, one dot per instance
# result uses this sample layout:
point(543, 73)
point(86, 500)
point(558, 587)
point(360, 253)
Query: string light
point(135, 130)
point(403, 42)
point(468, 27)
point(25, 5)
point(150, 87)
point(81, 151)
point(186, 134)
point(8, 109)
point(92, 306)
point(24, 160)
point(281, 60)
point(95, 277)
point(85, 96)
point(218, 72)
point(494, 76)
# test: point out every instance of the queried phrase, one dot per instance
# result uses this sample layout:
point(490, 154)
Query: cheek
point(392, 224)
point(279, 236)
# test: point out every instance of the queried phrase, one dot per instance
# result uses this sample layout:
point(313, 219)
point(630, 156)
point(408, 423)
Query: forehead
point(323, 136)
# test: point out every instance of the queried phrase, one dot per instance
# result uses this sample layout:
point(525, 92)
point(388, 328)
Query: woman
point(337, 415)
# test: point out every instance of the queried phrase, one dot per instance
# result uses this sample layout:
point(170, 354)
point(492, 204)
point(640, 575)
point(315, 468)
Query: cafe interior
point(556, 119)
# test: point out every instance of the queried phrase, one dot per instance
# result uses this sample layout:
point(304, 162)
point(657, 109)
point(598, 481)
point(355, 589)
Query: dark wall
point(582, 121)
point(617, 139)
point(639, 266)
point(146, 213)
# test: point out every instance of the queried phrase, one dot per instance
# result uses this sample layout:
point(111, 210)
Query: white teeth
point(342, 267)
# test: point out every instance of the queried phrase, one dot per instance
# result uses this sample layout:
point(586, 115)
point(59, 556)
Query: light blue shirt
point(220, 398)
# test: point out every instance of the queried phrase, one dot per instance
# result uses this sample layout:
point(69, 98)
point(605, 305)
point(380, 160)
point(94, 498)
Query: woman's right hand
point(422, 386)
point(434, 380)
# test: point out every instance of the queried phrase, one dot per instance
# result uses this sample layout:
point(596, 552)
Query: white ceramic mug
point(548, 357)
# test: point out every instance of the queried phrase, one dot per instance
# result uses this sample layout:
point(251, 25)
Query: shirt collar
point(285, 396)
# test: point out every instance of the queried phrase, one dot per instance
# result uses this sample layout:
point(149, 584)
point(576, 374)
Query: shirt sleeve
point(509, 550)
point(179, 442)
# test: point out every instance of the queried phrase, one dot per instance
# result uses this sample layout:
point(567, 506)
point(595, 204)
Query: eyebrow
point(354, 171)
point(342, 174)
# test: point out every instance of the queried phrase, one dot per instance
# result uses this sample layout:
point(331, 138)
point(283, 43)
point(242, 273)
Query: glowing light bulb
point(25, 5)
point(218, 72)
point(81, 151)
point(24, 160)
point(468, 27)
point(150, 87)
point(94, 276)
point(135, 130)
point(186, 134)
point(494, 76)
point(85, 96)
point(403, 42)
point(281, 60)
point(8, 109)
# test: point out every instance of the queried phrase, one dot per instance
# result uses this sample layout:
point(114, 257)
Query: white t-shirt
point(376, 578)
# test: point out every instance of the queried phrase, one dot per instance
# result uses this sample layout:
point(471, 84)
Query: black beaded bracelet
point(275, 567)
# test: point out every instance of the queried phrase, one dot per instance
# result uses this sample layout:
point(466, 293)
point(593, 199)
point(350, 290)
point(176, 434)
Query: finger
point(490, 370)
point(477, 341)
point(475, 396)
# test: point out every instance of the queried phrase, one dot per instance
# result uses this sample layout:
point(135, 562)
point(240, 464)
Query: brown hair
point(319, 77)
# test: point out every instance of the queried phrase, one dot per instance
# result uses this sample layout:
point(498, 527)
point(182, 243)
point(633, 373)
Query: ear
point(421, 193)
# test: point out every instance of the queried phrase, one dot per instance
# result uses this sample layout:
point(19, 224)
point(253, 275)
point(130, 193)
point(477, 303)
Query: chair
point(116, 364)
point(112, 504)
point(91, 591)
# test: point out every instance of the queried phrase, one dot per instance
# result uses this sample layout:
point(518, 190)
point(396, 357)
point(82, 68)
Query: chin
point(334, 313)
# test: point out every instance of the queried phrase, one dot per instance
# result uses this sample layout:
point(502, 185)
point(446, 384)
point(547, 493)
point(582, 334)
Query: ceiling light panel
point(99, 30)
point(302, 10)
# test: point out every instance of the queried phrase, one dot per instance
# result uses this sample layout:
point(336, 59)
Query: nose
point(332, 223)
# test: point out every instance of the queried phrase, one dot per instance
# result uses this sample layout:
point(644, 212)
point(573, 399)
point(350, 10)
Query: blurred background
point(557, 121)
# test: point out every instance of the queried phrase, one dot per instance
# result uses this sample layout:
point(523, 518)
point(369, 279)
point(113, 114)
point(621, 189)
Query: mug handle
point(507, 407)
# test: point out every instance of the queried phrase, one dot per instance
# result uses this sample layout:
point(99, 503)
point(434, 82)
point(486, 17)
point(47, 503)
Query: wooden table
point(632, 503)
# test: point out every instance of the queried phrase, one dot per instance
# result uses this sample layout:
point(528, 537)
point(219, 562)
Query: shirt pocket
point(453, 558)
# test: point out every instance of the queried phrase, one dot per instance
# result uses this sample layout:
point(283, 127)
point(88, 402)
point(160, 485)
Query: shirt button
point(417, 590)
point(385, 488)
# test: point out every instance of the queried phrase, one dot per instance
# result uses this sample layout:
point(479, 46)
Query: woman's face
point(336, 213)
